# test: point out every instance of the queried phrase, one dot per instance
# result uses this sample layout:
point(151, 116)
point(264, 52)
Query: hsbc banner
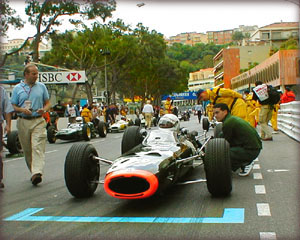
point(62, 77)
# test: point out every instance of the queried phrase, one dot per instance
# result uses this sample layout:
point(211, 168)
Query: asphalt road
point(264, 205)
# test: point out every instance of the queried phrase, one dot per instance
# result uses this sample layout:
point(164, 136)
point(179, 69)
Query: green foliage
point(8, 19)
point(291, 43)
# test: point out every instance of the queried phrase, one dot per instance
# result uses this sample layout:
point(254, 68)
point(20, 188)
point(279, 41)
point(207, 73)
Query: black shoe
point(36, 179)
point(1, 185)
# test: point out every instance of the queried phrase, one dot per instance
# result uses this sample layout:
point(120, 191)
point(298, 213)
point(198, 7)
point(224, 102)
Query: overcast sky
point(171, 17)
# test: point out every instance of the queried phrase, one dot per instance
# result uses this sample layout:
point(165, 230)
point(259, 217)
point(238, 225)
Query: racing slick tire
point(81, 170)
point(86, 132)
point(217, 167)
point(51, 134)
point(218, 130)
point(205, 124)
point(13, 143)
point(102, 129)
point(131, 138)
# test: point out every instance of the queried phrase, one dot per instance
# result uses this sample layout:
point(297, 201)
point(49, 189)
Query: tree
point(8, 19)
point(46, 14)
point(238, 37)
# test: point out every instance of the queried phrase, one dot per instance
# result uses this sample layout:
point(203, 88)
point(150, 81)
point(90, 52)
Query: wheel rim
point(93, 170)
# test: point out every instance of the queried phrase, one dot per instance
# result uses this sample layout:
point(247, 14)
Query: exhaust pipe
point(136, 184)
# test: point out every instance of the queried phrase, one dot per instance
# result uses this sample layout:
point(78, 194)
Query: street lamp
point(105, 51)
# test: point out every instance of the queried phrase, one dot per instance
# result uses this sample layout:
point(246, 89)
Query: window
point(265, 36)
point(276, 35)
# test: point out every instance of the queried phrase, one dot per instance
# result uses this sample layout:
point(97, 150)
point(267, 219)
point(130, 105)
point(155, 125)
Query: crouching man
point(245, 143)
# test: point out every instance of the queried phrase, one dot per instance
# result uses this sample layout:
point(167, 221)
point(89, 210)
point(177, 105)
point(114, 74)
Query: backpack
point(274, 95)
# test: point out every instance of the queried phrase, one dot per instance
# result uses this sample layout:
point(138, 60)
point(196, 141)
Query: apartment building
point(17, 43)
point(202, 79)
point(279, 70)
point(229, 62)
point(190, 38)
point(275, 34)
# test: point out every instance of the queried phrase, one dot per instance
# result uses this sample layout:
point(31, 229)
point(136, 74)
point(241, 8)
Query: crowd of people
point(239, 113)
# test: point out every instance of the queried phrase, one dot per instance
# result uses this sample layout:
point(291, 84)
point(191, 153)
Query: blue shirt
point(37, 94)
point(5, 105)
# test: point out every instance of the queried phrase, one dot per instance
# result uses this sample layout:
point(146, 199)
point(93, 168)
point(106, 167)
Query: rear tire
point(131, 138)
point(205, 124)
point(86, 132)
point(218, 130)
point(51, 134)
point(13, 143)
point(81, 170)
point(102, 130)
point(137, 122)
point(217, 167)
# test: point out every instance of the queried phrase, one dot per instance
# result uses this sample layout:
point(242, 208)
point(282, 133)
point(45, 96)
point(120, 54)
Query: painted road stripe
point(267, 236)
point(263, 209)
point(257, 176)
point(16, 159)
point(231, 215)
point(256, 166)
point(260, 189)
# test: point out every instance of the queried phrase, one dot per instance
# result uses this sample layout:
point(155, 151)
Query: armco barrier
point(289, 119)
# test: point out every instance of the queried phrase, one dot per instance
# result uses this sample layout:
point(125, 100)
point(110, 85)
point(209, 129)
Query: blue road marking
point(231, 215)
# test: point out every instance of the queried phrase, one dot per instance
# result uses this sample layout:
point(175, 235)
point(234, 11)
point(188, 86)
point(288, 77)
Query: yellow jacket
point(227, 96)
point(86, 114)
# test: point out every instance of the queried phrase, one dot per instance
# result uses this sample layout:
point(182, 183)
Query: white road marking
point(263, 209)
point(256, 166)
point(256, 160)
point(267, 236)
point(260, 189)
point(15, 159)
point(102, 140)
point(257, 176)
point(278, 170)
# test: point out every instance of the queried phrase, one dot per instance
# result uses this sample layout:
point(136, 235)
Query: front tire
point(217, 167)
point(51, 134)
point(205, 124)
point(81, 170)
point(218, 130)
point(131, 138)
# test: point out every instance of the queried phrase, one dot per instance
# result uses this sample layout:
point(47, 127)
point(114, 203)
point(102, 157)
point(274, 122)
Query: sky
point(172, 17)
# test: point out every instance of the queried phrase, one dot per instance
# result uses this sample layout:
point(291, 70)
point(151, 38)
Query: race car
point(120, 125)
point(150, 162)
point(78, 130)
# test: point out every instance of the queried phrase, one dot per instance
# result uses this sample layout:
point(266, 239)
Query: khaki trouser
point(265, 116)
point(148, 118)
point(32, 135)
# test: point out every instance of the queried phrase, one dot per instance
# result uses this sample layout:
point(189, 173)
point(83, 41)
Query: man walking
point(148, 112)
point(30, 100)
point(6, 110)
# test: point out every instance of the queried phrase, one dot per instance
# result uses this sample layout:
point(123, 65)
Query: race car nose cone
point(133, 184)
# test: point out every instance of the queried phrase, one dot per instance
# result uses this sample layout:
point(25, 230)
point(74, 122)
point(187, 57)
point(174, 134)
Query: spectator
point(287, 96)
point(148, 113)
point(78, 106)
point(86, 114)
point(265, 115)
point(30, 99)
point(245, 144)
point(60, 109)
point(251, 107)
point(71, 112)
point(232, 99)
point(6, 110)
point(199, 110)
point(53, 118)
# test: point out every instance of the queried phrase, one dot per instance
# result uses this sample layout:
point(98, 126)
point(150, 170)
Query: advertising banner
point(62, 77)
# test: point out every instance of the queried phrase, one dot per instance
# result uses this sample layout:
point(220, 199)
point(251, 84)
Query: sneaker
point(245, 171)
point(36, 179)
point(267, 139)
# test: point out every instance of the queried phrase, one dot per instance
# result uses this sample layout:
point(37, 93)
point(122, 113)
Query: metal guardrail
point(289, 119)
